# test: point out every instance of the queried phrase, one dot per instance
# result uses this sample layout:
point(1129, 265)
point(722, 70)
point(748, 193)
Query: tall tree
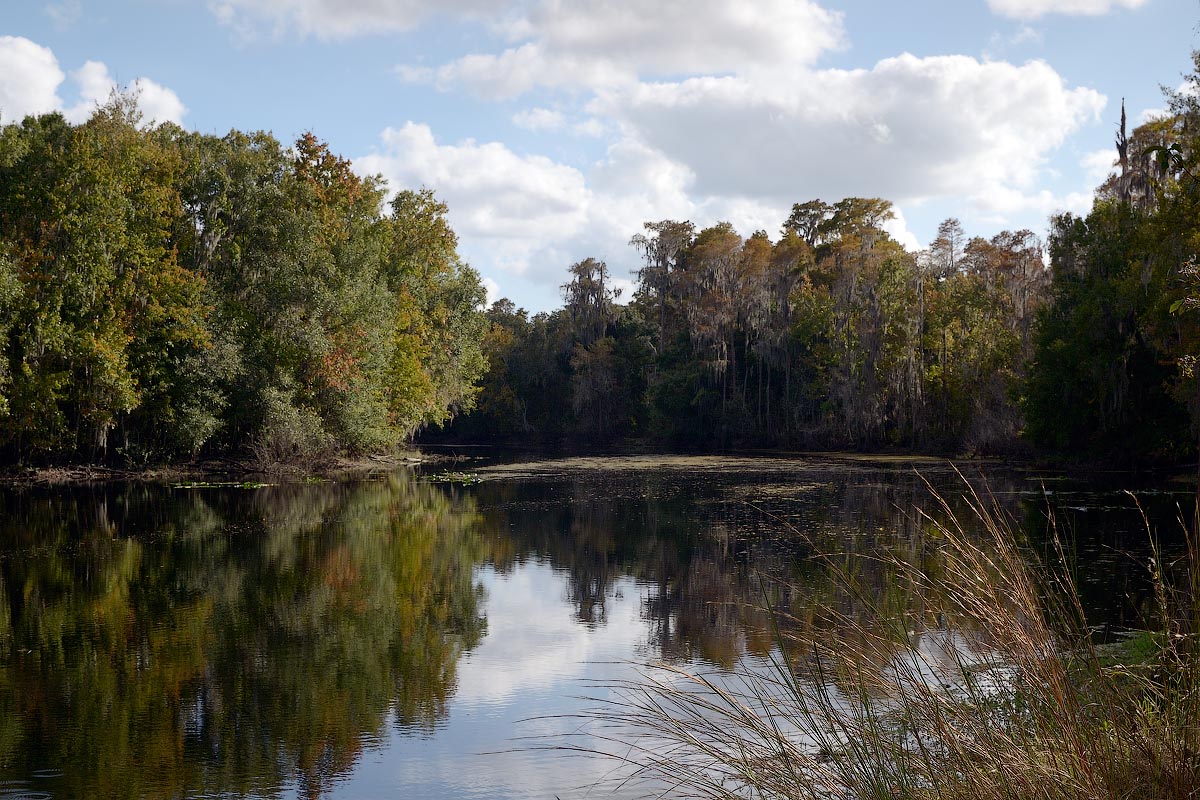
point(661, 246)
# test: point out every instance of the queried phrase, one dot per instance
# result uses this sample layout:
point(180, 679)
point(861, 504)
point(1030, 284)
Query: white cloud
point(1032, 9)
point(412, 73)
point(517, 70)
point(1002, 204)
point(493, 291)
point(539, 119)
point(897, 228)
point(721, 113)
point(1027, 35)
point(509, 203)
point(1000, 43)
point(908, 129)
point(29, 79)
point(595, 43)
point(589, 127)
point(64, 14)
point(156, 102)
point(335, 19)
point(95, 86)
point(624, 287)
point(638, 183)
point(1098, 164)
point(530, 217)
point(546, 120)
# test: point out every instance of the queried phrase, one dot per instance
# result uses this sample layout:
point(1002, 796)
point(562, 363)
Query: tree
point(1096, 386)
point(947, 249)
point(108, 314)
point(807, 221)
point(165, 292)
point(661, 247)
point(588, 299)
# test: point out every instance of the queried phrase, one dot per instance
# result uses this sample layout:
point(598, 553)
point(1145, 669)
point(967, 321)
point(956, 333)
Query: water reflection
point(173, 644)
point(711, 549)
point(375, 638)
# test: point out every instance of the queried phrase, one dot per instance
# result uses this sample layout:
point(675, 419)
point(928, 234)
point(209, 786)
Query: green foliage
point(165, 292)
point(10, 291)
point(1101, 382)
point(833, 335)
point(437, 336)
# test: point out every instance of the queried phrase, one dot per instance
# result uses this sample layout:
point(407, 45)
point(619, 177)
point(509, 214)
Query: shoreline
point(84, 474)
point(351, 468)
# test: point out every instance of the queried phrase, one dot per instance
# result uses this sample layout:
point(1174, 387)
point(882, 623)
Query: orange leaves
point(338, 367)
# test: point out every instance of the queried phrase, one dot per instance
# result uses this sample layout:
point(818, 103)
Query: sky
point(554, 129)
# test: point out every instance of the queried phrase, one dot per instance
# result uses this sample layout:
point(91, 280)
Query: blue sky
point(553, 129)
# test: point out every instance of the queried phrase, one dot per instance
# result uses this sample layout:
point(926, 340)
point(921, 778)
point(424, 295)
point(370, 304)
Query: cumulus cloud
point(964, 129)
point(1032, 9)
point(1003, 204)
point(156, 102)
point(335, 19)
point(1098, 164)
point(589, 127)
point(492, 291)
point(723, 112)
point(95, 86)
point(908, 129)
point(512, 203)
point(29, 79)
point(897, 228)
point(530, 217)
point(607, 42)
point(520, 69)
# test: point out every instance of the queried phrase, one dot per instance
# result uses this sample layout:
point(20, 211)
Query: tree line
point(831, 334)
point(167, 294)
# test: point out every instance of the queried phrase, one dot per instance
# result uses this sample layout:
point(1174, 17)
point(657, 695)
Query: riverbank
point(224, 468)
point(247, 468)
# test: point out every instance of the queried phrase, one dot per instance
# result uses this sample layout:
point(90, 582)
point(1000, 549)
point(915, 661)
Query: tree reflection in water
point(158, 644)
point(163, 643)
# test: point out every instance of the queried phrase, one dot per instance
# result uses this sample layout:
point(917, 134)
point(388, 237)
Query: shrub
point(291, 435)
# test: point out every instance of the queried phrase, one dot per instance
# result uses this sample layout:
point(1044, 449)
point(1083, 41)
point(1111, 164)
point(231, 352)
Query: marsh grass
point(1007, 695)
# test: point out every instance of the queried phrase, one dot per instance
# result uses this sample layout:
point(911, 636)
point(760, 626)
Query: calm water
point(396, 637)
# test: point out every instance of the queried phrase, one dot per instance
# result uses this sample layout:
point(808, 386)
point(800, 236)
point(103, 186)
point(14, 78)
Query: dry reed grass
point(1014, 701)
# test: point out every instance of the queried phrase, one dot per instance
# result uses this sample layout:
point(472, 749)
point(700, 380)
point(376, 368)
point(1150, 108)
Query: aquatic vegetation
point(998, 690)
point(451, 476)
point(221, 485)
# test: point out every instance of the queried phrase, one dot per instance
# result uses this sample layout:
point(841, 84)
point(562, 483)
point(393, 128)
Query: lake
point(395, 636)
